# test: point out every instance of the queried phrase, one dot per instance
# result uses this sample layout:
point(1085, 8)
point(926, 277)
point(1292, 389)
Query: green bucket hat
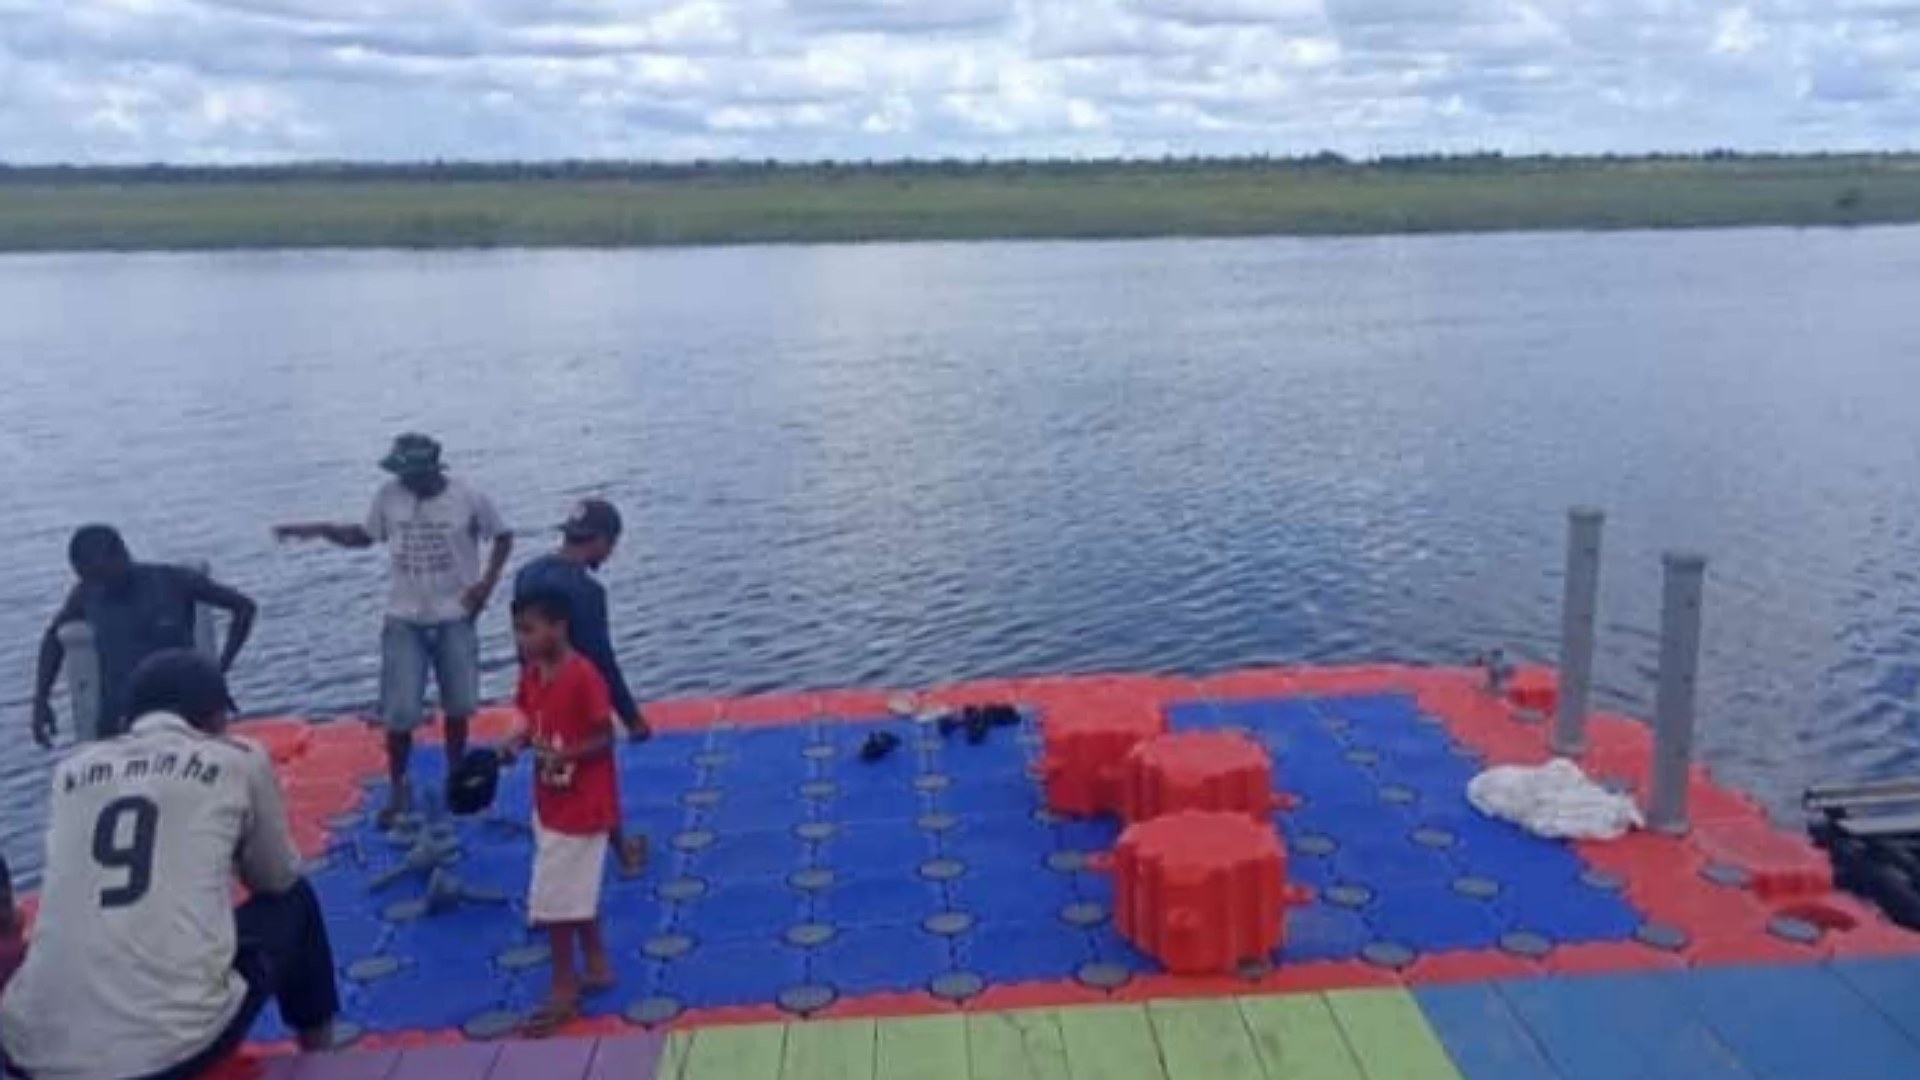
point(413, 454)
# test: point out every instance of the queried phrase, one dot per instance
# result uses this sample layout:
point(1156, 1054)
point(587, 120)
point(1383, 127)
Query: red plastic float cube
point(1202, 892)
point(1087, 743)
point(1215, 770)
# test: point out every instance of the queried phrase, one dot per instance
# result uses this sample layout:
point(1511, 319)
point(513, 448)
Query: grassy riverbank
point(630, 206)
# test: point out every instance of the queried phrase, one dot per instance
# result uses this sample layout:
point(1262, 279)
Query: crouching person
point(139, 969)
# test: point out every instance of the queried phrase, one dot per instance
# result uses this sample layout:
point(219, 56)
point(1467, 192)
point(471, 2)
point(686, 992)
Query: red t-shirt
point(569, 709)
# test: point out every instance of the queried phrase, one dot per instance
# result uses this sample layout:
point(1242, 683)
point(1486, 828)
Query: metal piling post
point(1686, 576)
point(1579, 612)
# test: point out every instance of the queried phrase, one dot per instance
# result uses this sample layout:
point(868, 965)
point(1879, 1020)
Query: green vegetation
point(625, 205)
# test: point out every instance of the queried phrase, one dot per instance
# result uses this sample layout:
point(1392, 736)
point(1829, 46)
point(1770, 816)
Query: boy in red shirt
point(569, 717)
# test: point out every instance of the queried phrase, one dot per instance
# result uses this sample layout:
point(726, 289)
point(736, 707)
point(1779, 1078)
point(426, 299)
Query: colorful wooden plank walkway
point(1857, 1020)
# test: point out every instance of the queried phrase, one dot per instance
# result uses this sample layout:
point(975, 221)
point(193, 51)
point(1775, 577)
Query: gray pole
point(1674, 708)
point(82, 667)
point(1578, 612)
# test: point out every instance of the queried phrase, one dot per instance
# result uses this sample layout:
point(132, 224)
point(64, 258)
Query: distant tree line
point(738, 169)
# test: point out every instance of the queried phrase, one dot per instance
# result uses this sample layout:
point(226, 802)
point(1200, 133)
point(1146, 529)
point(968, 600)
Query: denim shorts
point(408, 650)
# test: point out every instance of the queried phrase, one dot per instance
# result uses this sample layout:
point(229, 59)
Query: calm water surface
point(901, 465)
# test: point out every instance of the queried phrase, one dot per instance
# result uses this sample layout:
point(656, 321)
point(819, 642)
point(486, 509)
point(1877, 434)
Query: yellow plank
point(1297, 1038)
point(736, 1053)
point(1111, 1042)
point(829, 1050)
point(922, 1048)
point(1204, 1040)
point(1024, 1045)
point(1389, 1035)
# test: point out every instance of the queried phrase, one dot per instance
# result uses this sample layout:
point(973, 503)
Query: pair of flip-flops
point(979, 720)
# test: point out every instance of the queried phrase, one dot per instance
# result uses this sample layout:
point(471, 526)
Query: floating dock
point(811, 914)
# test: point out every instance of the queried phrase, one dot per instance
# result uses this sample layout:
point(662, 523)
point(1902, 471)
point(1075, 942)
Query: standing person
point(136, 610)
point(569, 726)
point(433, 525)
point(588, 538)
point(139, 966)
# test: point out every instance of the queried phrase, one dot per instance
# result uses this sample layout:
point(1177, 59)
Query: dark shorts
point(285, 957)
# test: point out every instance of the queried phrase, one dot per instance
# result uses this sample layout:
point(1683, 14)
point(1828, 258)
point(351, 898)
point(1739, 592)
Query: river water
point(904, 464)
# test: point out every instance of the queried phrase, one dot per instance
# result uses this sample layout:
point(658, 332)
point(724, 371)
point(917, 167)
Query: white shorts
point(567, 871)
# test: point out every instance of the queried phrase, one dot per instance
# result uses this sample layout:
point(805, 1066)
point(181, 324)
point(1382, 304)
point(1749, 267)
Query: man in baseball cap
point(587, 540)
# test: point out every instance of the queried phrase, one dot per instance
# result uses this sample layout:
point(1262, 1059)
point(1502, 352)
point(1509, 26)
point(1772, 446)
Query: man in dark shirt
point(589, 536)
point(135, 610)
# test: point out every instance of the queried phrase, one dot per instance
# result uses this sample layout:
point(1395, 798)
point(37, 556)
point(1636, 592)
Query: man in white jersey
point(139, 968)
point(433, 526)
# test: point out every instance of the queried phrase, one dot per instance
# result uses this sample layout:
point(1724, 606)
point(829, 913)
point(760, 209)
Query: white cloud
point(119, 80)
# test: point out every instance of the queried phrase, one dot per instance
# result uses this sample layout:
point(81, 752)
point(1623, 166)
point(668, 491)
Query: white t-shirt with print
point(435, 545)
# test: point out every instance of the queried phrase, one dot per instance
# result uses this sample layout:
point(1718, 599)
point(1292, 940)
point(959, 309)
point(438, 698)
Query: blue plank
point(1789, 1023)
point(1481, 1034)
point(1891, 985)
point(1632, 1027)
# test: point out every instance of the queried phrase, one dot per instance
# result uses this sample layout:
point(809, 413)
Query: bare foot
point(633, 856)
point(548, 1019)
point(598, 980)
point(399, 801)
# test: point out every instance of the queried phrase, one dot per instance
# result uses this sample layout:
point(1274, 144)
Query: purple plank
point(549, 1059)
point(352, 1065)
point(465, 1061)
point(633, 1058)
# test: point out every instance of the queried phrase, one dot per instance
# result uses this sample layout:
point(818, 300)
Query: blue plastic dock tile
point(418, 999)
point(889, 803)
point(1567, 911)
point(1014, 845)
point(1892, 985)
point(1611, 1026)
point(1012, 897)
point(758, 909)
point(1005, 953)
point(1766, 1015)
point(1321, 931)
point(1194, 716)
point(354, 936)
point(1432, 919)
point(1110, 948)
point(1094, 834)
point(880, 959)
point(878, 900)
point(762, 853)
point(1374, 711)
point(456, 937)
point(733, 973)
point(1481, 1034)
point(1011, 796)
point(879, 848)
point(1389, 861)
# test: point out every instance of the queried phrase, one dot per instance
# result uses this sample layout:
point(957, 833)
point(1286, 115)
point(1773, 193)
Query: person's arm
point(268, 862)
point(488, 523)
point(47, 671)
point(346, 536)
point(594, 638)
point(239, 607)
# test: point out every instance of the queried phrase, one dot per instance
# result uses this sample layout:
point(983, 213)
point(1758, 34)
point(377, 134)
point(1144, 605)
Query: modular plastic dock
point(808, 913)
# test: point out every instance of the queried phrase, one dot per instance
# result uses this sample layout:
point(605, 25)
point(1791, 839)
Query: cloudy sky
point(251, 80)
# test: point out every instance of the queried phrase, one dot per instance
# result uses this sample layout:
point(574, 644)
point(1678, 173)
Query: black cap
point(413, 454)
point(180, 681)
point(593, 519)
point(471, 787)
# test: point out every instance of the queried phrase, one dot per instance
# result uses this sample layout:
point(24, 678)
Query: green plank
point(1297, 1038)
point(673, 1056)
point(735, 1053)
point(923, 1048)
point(1111, 1042)
point(1389, 1035)
point(829, 1050)
point(1205, 1040)
point(1025, 1045)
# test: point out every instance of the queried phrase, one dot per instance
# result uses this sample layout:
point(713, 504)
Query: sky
point(234, 81)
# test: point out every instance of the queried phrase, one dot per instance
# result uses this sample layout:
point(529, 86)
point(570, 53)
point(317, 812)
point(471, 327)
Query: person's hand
point(45, 724)
point(476, 597)
point(638, 730)
point(286, 533)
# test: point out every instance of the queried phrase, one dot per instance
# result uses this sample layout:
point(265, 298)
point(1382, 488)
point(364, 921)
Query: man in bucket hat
point(434, 526)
